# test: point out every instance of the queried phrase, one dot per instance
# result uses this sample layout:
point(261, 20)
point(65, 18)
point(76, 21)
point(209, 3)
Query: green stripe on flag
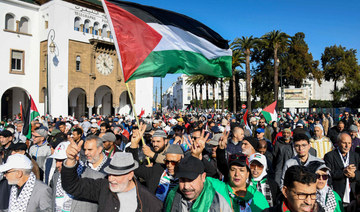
point(160, 63)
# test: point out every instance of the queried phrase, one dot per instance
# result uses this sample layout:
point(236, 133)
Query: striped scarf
point(19, 203)
point(266, 191)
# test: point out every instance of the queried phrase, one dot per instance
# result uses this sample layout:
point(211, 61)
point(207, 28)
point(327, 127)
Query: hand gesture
point(72, 152)
point(177, 140)
point(137, 136)
point(198, 145)
point(223, 140)
point(147, 151)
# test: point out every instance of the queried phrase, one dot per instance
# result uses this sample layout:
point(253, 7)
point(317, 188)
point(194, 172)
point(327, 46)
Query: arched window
point(77, 24)
point(104, 31)
point(24, 25)
point(96, 29)
point(86, 26)
point(78, 62)
point(9, 22)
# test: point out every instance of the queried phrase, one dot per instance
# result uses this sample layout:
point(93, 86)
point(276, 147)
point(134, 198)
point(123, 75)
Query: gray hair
point(116, 130)
point(338, 138)
point(99, 142)
point(25, 171)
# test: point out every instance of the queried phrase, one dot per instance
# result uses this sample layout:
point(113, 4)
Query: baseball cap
point(60, 151)
point(260, 130)
point(16, 161)
point(215, 129)
point(258, 157)
point(189, 168)
point(109, 136)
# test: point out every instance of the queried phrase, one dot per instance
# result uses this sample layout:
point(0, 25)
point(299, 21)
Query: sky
point(324, 22)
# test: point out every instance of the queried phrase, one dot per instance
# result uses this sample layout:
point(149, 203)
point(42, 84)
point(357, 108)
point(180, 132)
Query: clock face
point(104, 64)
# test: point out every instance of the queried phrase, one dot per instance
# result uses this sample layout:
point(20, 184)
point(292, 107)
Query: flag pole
point(137, 119)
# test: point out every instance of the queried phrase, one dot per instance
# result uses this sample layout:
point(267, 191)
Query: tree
point(237, 60)
point(191, 81)
point(246, 44)
point(338, 64)
point(276, 41)
point(197, 80)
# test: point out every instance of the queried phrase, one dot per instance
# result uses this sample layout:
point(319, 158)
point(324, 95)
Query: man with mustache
point(344, 166)
point(159, 145)
point(120, 192)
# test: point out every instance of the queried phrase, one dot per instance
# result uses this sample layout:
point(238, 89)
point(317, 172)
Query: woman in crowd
point(327, 198)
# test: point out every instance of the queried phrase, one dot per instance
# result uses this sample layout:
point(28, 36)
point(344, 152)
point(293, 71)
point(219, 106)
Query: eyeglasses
point(8, 172)
point(303, 196)
point(324, 177)
point(240, 157)
point(303, 146)
point(173, 163)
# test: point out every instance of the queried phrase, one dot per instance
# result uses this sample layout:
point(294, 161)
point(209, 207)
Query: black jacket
point(334, 162)
point(98, 191)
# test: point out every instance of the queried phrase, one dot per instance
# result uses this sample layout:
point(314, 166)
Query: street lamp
point(281, 81)
point(51, 47)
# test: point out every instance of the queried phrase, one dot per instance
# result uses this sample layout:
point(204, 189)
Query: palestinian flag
point(246, 123)
point(30, 114)
point(270, 113)
point(153, 42)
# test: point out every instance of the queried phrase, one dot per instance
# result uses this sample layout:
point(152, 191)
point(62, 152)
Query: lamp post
point(50, 47)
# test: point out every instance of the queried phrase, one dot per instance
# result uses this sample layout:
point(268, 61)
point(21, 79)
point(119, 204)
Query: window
point(77, 24)
point(9, 22)
point(78, 61)
point(110, 36)
point(96, 29)
point(17, 61)
point(103, 31)
point(86, 26)
point(24, 25)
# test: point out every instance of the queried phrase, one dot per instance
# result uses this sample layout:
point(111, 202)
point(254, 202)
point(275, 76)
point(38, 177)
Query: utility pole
point(155, 98)
point(161, 94)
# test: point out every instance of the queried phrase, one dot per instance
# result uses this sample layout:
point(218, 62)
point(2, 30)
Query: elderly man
point(249, 146)
point(19, 137)
point(27, 193)
point(195, 192)
point(299, 191)
point(63, 201)
point(109, 139)
point(120, 192)
point(40, 149)
point(355, 141)
point(344, 166)
point(95, 158)
point(320, 143)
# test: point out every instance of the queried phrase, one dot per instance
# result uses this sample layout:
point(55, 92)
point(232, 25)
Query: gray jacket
point(296, 161)
point(77, 204)
point(40, 199)
point(39, 153)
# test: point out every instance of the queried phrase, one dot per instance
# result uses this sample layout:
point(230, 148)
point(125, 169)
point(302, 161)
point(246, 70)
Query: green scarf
point(202, 203)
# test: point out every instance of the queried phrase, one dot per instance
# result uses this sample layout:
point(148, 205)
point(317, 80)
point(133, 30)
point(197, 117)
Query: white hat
point(16, 161)
point(60, 151)
point(93, 120)
point(75, 122)
point(258, 157)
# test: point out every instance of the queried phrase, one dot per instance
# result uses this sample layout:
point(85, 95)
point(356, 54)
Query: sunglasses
point(173, 163)
point(240, 157)
point(324, 177)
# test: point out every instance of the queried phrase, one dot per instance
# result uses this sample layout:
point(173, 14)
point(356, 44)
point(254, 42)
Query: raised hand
point(72, 152)
point(223, 140)
point(198, 145)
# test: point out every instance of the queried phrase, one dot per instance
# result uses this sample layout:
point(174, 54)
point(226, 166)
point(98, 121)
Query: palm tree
point(212, 81)
point(237, 60)
point(197, 80)
point(276, 41)
point(245, 44)
point(191, 81)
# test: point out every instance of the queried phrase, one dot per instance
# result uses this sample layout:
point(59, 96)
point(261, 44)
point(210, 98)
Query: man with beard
point(95, 158)
point(109, 139)
point(249, 146)
point(27, 193)
point(179, 138)
point(120, 192)
point(159, 145)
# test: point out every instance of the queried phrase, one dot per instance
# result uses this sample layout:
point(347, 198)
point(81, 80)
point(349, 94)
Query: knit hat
point(253, 141)
point(174, 149)
point(160, 133)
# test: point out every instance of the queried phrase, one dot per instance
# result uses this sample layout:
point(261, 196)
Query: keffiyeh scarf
point(326, 198)
point(19, 203)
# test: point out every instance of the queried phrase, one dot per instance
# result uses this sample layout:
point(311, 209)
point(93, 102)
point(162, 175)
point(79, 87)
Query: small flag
point(30, 114)
point(153, 42)
point(270, 113)
point(245, 117)
point(141, 113)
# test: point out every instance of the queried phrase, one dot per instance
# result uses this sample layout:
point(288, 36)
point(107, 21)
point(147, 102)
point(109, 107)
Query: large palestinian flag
point(30, 114)
point(153, 42)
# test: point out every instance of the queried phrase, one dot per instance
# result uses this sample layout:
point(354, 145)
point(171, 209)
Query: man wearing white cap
point(27, 193)
point(61, 200)
point(260, 180)
point(120, 192)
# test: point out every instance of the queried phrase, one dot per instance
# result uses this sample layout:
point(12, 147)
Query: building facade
point(63, 54)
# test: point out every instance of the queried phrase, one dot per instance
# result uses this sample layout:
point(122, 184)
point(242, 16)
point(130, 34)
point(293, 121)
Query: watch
point(104, 64)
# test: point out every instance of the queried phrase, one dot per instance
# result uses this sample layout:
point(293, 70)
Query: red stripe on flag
point(33, 106)
point(135, 38)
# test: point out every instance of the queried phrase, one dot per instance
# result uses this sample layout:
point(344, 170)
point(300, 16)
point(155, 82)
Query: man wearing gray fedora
point(120, 192)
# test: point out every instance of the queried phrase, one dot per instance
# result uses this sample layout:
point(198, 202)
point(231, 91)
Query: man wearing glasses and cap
point(27, 193)
point(120, 192)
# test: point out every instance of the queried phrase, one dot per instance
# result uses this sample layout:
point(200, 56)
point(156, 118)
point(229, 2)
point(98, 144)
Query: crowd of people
point(182, 161)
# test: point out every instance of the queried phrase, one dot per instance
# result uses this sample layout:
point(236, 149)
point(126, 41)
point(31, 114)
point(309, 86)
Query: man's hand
point(147, 151)
point(177, 140)
point(198, 145)
point(223, 140)
point(349, 171)
point(137, 136)
point(72, 152)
